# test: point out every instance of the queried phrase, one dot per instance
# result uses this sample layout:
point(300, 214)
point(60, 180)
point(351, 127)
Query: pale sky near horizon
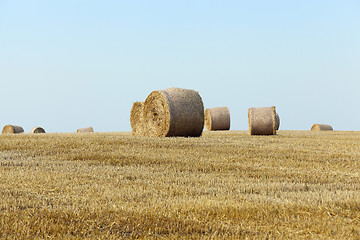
point(71, 64)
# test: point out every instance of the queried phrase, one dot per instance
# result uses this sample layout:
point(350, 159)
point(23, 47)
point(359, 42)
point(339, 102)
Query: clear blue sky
point(71, 64)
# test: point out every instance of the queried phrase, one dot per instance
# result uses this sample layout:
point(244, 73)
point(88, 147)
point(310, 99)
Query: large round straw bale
point(217, 118)
point(262, 121)
point(11, 129)
point(84, 130)
point(37, 130)
point(137, 118)
point(277, 121)
point(321, 127)
point(174, 112)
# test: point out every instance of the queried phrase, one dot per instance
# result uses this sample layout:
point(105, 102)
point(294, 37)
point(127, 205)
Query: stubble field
point(229, 185)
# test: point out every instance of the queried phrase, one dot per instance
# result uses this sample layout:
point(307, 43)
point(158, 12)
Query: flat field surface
point(223, 185)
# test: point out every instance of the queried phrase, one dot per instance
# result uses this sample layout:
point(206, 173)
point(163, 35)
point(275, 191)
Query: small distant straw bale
point(217, 118)
point(321, 127)
point(277, 121)
point(137, 119)
point(174, 112)
point(11, 129)
point(85, 130)
point(37, 130)
point(262, 121)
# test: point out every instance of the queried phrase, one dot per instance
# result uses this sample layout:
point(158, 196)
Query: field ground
point(295, 185)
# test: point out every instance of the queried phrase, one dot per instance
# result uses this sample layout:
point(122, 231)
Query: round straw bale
point(321, 127)
point(11, 129)
point(262, 121)
point(277, 121)
point(37, 130)
point(217, 118)
point(137, 118)
point(84, 130)
point(174, 112)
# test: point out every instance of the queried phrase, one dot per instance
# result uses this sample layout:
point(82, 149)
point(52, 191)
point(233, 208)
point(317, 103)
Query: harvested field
point(223, 185)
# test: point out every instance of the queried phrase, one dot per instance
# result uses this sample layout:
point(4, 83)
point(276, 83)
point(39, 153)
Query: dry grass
point(294, 185)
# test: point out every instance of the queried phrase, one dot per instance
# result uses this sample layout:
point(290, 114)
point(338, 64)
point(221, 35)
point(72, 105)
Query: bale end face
point(207, 119)
point(37, 130)
point(277, 121)
point(157, 116)
point(137, 121)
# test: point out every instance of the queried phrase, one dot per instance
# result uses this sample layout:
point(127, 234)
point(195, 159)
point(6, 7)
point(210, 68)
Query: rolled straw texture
point(217, 118)
point(277, 121)
point(262, 121)
point(84, 130)
point(321, 127)
point(11, 129)
point(174, 112)
point(137, 119)
point(37, 130)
